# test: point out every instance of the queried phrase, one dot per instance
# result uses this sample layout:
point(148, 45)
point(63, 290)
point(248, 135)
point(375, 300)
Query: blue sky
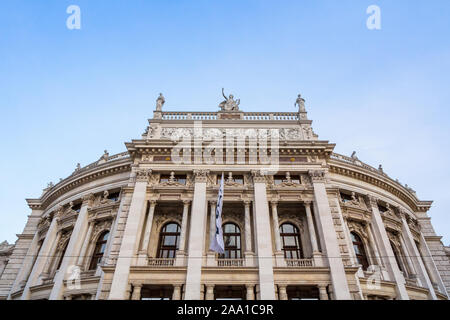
point(66, 95)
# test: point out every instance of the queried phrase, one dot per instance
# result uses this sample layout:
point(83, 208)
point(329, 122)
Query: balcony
point(230, 262)
point(161, 262)
point(299, 263)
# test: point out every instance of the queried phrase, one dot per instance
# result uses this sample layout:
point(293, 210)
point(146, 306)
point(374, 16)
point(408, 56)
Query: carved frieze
point(303, 133)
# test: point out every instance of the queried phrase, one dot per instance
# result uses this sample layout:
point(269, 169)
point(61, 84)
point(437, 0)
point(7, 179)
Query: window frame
point(298, 248)
point(162, 248)
point(96, 254)
point(361, 258)
point(235, 249)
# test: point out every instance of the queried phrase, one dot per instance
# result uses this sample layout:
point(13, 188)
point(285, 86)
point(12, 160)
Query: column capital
point(258, 176)
point(274, 203)
point(88, 199)
point(247, 202)
point(186, 202)
point(373, 201)
point(213, 202)
point(307, 203)
point(153, 202)
point(201, 175)
point(142, 175)
point(317, 175)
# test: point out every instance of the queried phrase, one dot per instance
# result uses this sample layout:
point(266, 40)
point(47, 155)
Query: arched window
point(99, 250)
point(290, 240)
point(232, 241)
point(358, 246)
point(397, 257)
point(169, 239)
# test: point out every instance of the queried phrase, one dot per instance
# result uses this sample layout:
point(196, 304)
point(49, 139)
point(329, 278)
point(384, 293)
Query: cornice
point(72, 182)
point(378, 180)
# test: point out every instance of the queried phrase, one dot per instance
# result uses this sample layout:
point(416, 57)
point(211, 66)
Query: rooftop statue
point(160, 102)
point(301, 103)
point(229, 104)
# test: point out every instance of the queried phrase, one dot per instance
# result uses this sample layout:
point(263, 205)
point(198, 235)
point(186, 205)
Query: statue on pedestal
point(229, 104)
point(160, 102)
point(301, 103)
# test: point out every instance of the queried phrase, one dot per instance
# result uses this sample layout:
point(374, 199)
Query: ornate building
point(299, 221)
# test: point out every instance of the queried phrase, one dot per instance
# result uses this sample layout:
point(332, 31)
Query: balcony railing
point(161, 262)
point(230, 262)
point(299, 263)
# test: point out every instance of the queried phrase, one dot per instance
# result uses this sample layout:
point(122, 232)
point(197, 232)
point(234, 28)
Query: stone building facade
point(299, 221)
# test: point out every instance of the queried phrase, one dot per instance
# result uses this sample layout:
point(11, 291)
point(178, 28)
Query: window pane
point(171, 227)
point(289, 241)
point(170, 240)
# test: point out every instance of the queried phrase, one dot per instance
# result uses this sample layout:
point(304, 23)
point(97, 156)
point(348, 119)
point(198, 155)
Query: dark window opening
point(154, 292)
point(302, 293)
point(230, 292)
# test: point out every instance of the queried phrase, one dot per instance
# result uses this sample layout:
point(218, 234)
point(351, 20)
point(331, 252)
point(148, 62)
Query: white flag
point(217, 243)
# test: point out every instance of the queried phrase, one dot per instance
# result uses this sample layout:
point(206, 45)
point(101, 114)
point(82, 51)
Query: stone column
point(323, 295)
point(176, 292)
point(263, 240)
point(330, 245)
point(73, 249)
point(248, 254)
point(374, 247)
point(87, 239)
point(211, 255)
point(209, 292)
point(181, 254)
point(386, 249)
point(250, 291)
point(184, 225)
point(410, 266)
point(282, 293)
point(136, 292)
point(196, 237)
point(418, 263)
point(317, 256)
point(130, 241)
point(51, 257)
point(42, 256)
point(276, 226)
point(248, 229)
point(143, 253)
point(279, 256)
